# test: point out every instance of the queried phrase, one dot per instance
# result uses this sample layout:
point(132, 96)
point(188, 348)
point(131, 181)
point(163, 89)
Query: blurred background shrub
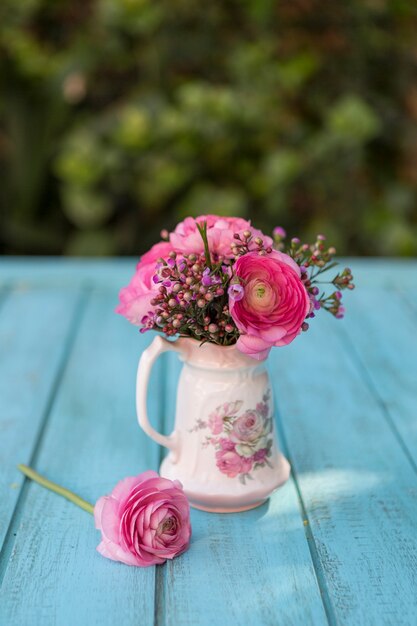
point(120, 117)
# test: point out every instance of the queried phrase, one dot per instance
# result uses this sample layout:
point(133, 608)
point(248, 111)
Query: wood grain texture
point(92, 441)
point(35, 336)
point(242, 569)
point(357, 484)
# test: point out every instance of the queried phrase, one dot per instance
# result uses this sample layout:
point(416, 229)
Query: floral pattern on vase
point(242, 439)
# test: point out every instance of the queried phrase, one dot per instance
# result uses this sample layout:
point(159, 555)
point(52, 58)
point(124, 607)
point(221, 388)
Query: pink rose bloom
point(216, 418)
point(135, 299)
point(144, 521)
point(226, 444)
point(220, 234)
point(247, 428)
point(230, 463)
point(274, 304)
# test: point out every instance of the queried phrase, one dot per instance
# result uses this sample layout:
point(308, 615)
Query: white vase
point(223, 448)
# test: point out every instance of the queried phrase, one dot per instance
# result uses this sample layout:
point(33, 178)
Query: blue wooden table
point(336, 545)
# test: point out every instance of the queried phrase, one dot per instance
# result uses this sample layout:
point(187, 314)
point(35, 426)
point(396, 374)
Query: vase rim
point(210, 355)
point(210, 343)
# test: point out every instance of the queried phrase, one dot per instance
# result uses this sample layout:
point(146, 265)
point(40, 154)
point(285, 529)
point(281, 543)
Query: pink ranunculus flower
point(220, 234)
point(249, 427)
point(144, 521)
point(135, 299)
point(274, 305)
point(232, 464)
point(158, 250)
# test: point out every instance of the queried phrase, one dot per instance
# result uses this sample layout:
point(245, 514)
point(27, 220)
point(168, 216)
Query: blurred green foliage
point(119, 117)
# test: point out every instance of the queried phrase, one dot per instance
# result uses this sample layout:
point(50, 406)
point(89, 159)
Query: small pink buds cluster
point(315, 259)
point(192, 299)
point(344, 279)
point(312, 255)
point(246, 242)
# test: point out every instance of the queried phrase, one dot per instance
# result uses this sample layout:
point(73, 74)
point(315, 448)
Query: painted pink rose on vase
point(144, 521)
point(220, 234)
point(216, 420)
point(226, 444)
point(135, 299)
point(248, 427)
point(242, 441)
point(274, 303)
point(232, 464)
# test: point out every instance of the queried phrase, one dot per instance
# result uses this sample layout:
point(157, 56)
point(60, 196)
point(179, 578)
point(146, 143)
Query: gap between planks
point(315, 559)
point(411, 304)
point(160, 570)
point(79, 310)
point(4, 293)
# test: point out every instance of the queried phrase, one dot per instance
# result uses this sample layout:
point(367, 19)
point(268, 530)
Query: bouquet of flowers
point(221, 280)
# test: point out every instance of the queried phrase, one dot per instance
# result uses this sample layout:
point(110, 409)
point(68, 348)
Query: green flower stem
point(323, 269)
point(202, 229)
point(65, 493)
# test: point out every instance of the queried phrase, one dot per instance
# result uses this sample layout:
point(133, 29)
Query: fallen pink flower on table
point(144, 521)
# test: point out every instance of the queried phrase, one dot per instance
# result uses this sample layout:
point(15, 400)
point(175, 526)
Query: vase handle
point(146, 361)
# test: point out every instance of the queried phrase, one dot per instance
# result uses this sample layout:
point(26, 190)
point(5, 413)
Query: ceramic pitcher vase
point(223, 447)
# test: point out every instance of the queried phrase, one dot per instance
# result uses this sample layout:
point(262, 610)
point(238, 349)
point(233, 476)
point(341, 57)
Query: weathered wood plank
point(36, 328)
point(53, 573)
point(409, 296)
point(66, 272)
point(385, 347)
point(357, 485)
point(114, 273)
point(245, 568)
